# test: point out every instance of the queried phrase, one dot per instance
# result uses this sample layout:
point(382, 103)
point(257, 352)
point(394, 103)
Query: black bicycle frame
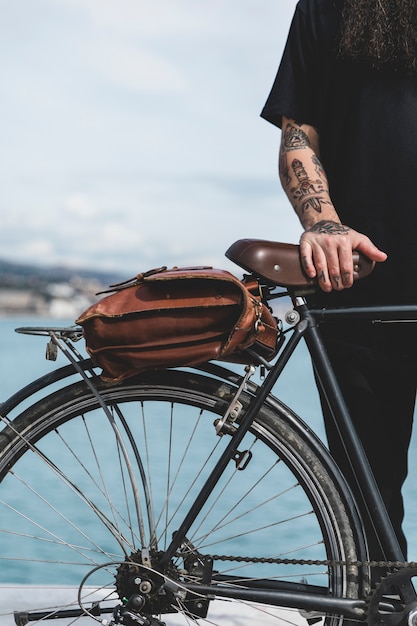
point(372, 503)
point(308, 329)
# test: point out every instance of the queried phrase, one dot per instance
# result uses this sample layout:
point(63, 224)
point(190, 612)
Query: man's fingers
point(332, 264)
point(345, 268)
point(306, 256)
point(315, 263)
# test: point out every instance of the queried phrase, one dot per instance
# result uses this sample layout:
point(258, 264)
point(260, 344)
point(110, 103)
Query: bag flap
point(150, 292)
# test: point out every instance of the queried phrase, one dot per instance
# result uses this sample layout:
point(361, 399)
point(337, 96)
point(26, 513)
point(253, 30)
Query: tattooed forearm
point(302, 174)
point(328, 227)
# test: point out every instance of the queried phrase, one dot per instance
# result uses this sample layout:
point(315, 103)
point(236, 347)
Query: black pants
point(376, 367)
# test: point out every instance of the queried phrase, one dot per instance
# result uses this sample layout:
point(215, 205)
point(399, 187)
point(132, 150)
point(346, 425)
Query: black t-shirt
point(367, 121)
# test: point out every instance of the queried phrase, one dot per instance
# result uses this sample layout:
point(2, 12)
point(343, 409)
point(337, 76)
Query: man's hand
point(326, 252)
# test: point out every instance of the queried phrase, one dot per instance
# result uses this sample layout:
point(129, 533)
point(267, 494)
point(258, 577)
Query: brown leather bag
point(177, 317)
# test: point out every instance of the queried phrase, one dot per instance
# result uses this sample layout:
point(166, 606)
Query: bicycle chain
point(278, 561)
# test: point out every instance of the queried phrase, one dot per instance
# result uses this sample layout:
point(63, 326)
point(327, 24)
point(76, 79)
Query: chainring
point(394, 600)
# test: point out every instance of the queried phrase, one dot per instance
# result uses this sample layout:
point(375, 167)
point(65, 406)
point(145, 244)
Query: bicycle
point(146, 496)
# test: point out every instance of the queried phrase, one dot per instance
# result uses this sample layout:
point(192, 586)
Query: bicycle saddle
point(279, 263)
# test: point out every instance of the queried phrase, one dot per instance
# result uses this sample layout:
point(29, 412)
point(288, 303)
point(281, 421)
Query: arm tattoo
point(307, 192)
point(328, 227)
point(295, 138)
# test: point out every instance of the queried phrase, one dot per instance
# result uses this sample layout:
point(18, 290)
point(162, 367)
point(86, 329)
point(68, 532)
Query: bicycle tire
point(66, 501)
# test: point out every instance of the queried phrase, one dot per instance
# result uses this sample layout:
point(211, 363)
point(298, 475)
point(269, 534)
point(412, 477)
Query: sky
point(131, 134)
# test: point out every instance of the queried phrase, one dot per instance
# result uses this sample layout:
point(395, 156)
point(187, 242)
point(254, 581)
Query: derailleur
point(127, 614)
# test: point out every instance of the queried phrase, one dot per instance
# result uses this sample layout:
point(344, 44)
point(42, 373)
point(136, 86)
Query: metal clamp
point(225, 424)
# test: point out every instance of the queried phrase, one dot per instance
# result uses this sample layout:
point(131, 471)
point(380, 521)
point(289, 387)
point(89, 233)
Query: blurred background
point(130, 131)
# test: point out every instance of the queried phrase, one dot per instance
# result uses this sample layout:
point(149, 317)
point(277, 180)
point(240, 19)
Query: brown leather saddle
point(279, 263)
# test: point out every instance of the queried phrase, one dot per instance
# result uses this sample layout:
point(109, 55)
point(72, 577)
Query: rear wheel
point(89, 501)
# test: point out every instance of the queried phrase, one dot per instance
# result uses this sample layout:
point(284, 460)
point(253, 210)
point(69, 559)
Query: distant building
point(22, 301)
point(57, 301)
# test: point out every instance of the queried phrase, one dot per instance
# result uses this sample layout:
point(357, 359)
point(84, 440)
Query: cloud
point(131, 130)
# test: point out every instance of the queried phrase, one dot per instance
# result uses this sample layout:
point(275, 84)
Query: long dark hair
point(380, 33)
